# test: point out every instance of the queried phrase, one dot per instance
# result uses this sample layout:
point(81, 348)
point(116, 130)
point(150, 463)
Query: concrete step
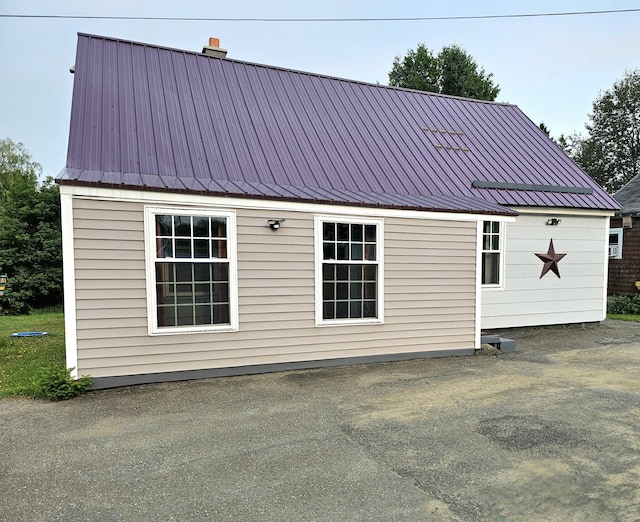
point(501, 343)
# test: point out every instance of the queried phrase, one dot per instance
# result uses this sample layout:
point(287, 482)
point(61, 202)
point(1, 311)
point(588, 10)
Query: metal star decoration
point(550, 260)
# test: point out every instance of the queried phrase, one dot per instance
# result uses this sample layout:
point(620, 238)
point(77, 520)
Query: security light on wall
point(553, 221)
point(275, 224)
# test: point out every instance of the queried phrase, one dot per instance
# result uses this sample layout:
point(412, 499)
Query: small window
point(192, 280)
point(615, 243)
point(349, 278)
point(491, 253)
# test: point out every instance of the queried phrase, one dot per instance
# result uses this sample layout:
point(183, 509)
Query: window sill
point(349, 322)
point(183, 331)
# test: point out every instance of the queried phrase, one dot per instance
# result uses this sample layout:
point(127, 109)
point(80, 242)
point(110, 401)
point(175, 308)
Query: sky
point(553, 68)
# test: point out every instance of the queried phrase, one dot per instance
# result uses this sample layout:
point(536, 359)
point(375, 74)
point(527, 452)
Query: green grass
point(624, 317)
point(22, 358)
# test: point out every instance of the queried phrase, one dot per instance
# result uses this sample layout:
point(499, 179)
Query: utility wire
point(399, 19)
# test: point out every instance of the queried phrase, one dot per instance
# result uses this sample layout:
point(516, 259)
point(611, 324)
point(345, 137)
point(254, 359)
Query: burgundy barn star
point(550, 261)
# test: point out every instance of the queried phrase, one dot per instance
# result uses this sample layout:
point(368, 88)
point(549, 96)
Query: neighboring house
point(624, 241)
point(222, 217)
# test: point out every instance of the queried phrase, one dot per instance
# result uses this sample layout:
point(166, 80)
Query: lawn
point(624, 317)
point(22, 358)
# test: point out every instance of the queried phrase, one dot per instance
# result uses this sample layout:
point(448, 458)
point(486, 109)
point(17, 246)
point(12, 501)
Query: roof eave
point(488, 212)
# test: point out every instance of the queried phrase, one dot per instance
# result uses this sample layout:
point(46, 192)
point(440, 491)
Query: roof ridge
point(297, 71)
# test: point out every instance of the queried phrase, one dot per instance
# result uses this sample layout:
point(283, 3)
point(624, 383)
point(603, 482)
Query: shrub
point(56, 384)
point(624, 304)
point(31, 247)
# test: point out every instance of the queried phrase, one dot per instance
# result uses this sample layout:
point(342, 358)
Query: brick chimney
point(214, 49)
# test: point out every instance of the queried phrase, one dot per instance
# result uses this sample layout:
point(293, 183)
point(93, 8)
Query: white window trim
point(319, 220)
point(618, 253)
point(502, 234)
point(150, 260)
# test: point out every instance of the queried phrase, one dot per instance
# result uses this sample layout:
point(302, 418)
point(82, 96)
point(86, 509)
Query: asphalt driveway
point(550, 431)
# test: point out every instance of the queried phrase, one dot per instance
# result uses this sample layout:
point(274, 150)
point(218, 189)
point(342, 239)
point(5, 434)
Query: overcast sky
point(551, 67)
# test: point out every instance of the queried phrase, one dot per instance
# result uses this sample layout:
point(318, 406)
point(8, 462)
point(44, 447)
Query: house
point(223, 217)
point(624, 241)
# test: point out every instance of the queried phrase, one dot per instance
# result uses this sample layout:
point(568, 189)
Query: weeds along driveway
point(548, 432)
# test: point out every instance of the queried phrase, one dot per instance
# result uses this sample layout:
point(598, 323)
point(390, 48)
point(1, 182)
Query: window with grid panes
point(491, 253)
point(192, 276)
point(350, 270)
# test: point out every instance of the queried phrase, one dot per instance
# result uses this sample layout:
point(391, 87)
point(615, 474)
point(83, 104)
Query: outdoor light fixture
point(553, 221)
point(274, 224)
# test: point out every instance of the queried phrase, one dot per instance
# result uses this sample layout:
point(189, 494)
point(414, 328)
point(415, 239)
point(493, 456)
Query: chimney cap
point(214, 49)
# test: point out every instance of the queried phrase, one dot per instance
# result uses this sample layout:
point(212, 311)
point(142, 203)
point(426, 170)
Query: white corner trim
point(69, 281)
point(605, 286)
point(478, 314)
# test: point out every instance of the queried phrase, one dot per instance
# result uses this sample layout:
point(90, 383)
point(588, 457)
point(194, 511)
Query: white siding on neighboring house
point(429, 293)
point(525, 299)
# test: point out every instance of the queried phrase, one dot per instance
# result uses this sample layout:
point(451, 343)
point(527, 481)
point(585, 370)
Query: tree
point(15, 163)
point(589, 155)
point(453, 71)
point(30, 233)
point(419, 70)
point(545, 129)
point(610, 153)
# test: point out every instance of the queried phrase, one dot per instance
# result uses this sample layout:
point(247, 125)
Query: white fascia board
point(186, 199)
point(575, 212)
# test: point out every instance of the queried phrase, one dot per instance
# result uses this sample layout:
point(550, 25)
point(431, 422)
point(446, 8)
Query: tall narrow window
point(193, 275)
point(491, 261)
point(350, 258)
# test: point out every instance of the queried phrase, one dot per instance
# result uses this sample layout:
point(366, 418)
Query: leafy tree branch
point(610, 153)
point(452, 71)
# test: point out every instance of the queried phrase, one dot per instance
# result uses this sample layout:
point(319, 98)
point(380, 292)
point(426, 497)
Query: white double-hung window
point(349, 270)
point(492, 261)
point(191, 270)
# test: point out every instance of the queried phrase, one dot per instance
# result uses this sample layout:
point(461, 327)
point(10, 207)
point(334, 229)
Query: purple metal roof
point(162, 119)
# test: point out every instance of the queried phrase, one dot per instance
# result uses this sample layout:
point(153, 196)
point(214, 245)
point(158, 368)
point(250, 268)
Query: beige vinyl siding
point(526, 299)
point(429, 294)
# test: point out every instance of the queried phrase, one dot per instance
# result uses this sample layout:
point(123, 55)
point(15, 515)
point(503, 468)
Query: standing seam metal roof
point(149, 117)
